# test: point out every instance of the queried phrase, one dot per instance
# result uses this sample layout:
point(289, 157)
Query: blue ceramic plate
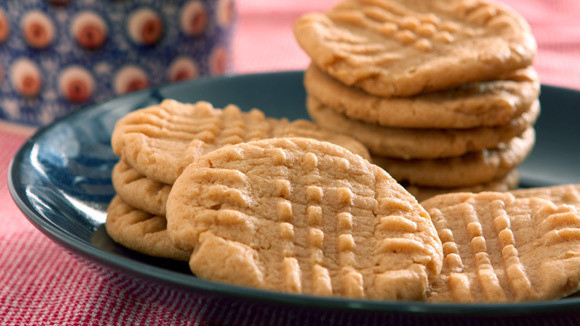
point(60, 179)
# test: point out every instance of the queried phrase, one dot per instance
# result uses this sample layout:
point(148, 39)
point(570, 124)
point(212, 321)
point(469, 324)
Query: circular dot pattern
point(59, 56)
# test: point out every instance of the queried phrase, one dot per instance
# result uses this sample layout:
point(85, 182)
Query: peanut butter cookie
point(406, 47)
point(501, 248)
point(139, 191)
point(462, 171)
point(474, 105)
point(141, 231)
point(303, 216)
point(160, 141)
point(508, 182)
point(407, 143)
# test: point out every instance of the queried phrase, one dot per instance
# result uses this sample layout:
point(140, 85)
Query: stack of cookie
point(441, 92)
point(157, 143)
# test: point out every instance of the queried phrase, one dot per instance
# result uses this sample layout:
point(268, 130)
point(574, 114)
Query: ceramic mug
point(57, 56)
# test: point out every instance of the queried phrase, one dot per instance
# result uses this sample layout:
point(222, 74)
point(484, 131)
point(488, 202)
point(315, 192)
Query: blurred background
point(57, 56)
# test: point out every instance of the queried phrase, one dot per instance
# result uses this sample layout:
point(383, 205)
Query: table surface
point(42, 284)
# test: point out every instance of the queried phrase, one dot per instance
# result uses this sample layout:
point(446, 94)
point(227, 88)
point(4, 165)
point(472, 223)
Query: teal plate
point(61, 180)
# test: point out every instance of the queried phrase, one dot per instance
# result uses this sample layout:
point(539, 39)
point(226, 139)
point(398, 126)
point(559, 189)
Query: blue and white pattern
point(57, 56)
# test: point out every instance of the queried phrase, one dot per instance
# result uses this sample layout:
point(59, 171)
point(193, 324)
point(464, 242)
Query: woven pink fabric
point(42, 284)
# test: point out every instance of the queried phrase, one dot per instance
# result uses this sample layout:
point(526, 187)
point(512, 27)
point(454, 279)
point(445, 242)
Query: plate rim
point(191, 283)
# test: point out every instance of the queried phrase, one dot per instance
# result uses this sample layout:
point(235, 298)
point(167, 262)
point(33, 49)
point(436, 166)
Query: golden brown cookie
point(406, 47)
point(160, 141)
point(303, 216)
point(306, 129)
point(407, 143)
point(141, 231)
point(461, 171)
point(501, 248)
point(474, 105)
point(505, 183)
point(559, 195)
point(139, 191)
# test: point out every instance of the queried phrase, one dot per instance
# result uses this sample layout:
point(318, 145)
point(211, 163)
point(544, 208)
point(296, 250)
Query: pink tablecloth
point(42, 284)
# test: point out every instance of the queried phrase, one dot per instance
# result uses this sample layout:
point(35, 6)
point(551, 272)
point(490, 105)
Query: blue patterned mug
point(60, 55)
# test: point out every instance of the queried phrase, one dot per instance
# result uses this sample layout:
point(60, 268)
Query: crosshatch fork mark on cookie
point(404, 48)
point(160, 141)
point(302, 216)
point(498, 247)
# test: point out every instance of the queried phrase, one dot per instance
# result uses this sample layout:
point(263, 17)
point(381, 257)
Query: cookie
point(303, 216)
point(306, 129)
point(160, 141)
point(505, 183)
point(407, 143)
point(461, 171)
point(139, 191)
point(474, 105)
point(501, 248)
point(403, 48)
point(141, 231)
point(563, 194)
